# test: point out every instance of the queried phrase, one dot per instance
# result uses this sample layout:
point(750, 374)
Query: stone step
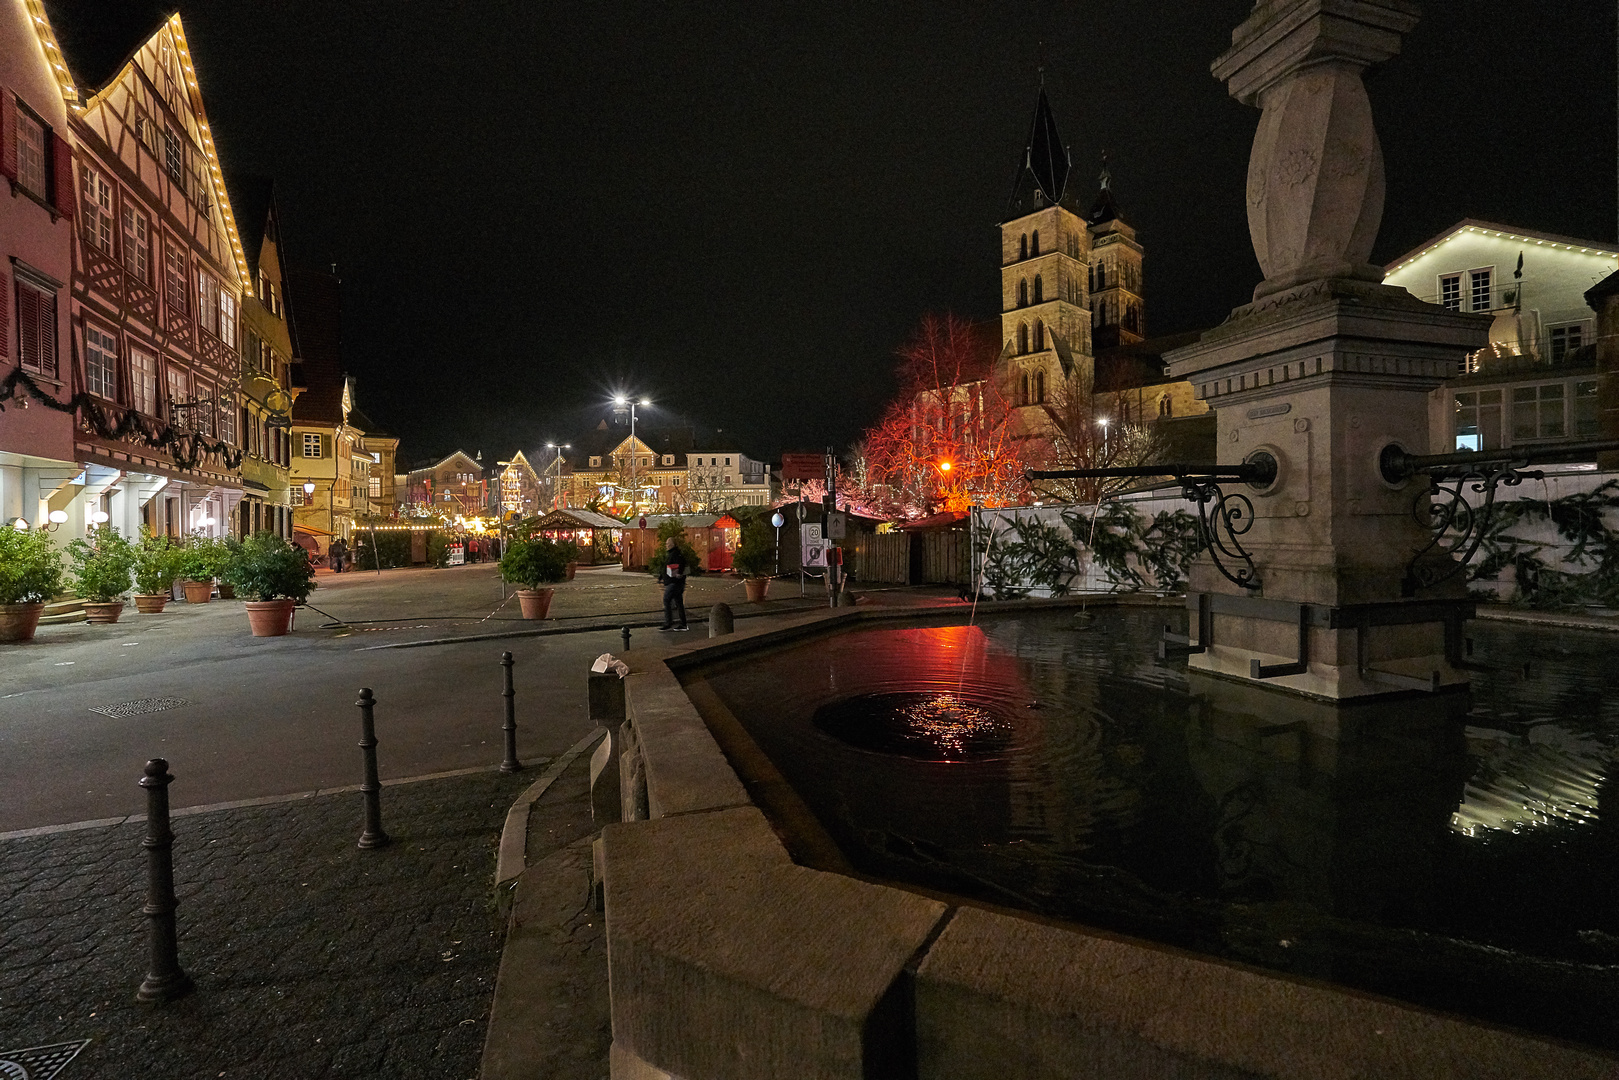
point(64, 609)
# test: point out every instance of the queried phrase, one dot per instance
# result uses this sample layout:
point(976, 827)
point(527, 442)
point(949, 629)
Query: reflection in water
point(1447, 850)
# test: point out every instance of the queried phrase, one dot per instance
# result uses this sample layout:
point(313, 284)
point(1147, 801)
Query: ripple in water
point(929, 725)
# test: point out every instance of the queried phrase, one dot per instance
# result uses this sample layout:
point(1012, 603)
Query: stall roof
point(578, 519)
point(690, 521)
point(948, 519)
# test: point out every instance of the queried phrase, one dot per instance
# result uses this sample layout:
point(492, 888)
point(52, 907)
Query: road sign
point(802, 467)
point(837, 525)
point(812, 548)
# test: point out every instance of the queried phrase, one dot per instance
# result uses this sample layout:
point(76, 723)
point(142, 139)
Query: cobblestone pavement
point(311, 958)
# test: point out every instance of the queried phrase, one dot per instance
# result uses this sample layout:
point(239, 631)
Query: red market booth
point(714, 539)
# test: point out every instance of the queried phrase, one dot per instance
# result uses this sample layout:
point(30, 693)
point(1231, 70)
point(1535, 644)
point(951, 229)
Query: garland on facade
point(187, 448)
point(1126, 546)
point(1544, 573)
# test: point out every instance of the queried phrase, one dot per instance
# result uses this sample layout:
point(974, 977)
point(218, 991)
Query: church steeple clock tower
point(1045, 261)
point(1115, 272)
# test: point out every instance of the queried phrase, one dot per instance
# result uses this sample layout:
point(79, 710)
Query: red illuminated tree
point(948, 439)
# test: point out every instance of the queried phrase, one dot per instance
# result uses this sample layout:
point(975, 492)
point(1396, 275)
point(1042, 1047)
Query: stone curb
point(514, 834)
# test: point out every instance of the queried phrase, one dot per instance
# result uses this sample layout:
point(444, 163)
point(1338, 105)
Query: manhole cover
point(141, 705)
point(39, 1062)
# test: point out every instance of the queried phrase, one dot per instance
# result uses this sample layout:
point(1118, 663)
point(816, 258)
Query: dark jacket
point(673, 565)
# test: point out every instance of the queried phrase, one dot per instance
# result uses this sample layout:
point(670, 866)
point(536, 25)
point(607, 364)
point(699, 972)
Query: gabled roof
point(98, 37)
point(448, 458)
point(1508, 232)
point(317, 345)
point(577, 519)
point(1044, 168)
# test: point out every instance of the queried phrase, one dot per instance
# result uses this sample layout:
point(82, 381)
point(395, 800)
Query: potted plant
point(273, 577)
point(154, 572)
point(196, 565)
point(30, 574)
point(531, 564)
point(224, 551)
point(101, 572)
point(754, 559)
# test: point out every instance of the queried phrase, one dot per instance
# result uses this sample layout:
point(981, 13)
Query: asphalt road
point(275, 716)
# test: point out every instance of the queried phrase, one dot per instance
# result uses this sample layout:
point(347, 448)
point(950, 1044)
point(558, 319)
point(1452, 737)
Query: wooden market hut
point(597, 536)
point(714, 539)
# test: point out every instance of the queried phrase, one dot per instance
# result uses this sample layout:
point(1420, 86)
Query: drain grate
point(39, 1062)
point(140, 706)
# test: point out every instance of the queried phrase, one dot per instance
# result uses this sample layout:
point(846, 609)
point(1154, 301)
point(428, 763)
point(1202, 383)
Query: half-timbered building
point(158, 276)
point(37, 469)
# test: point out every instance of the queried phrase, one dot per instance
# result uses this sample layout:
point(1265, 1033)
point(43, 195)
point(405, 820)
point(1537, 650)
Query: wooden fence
point(925, 558)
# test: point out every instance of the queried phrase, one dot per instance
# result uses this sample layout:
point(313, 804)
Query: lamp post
point(624, 403)
point(556, 463)
point(778, 521)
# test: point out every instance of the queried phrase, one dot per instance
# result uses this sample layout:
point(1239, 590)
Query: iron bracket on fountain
point(1222, 516)
point(1457, 526)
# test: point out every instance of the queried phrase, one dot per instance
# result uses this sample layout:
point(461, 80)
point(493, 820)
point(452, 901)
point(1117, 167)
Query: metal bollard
point(511, 764)
point(373, 836)
point(626, 632)
point(165, 981)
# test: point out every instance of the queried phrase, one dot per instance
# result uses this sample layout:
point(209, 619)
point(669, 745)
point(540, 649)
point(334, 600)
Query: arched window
point(1022, 338)
point(1040, 386)
point(1023, 390)
point(1165, 407)
point(1034, 246)
point(1039, 336)
point(1101, 277)
point(1023, 247)
point(1090, 279)
point(1132, 318)
point(1023, 292)
point(1039, 289)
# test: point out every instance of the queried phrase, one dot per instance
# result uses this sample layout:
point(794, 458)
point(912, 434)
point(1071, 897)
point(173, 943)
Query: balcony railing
point(1500, 296)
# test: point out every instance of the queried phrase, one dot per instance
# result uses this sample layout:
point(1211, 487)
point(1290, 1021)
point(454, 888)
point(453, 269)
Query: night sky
point(740, 210)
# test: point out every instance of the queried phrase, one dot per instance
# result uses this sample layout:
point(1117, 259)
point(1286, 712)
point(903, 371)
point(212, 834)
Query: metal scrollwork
point(1457, 526)
point(1222, 518)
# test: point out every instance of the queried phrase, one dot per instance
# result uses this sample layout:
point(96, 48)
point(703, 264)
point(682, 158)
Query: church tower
point(1115, 273)
point(1045, 270)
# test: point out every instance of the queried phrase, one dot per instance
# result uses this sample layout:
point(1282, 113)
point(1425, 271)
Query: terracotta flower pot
point(151, 603)
point(227, 592)
point(535, 602)
point(572, 567)
point(269, 618)
point(103, 613)
point(757, 587)
point(19, 621)
point(198, 592)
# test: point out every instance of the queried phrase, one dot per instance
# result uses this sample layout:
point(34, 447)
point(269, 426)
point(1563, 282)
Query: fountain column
point(1324, 368)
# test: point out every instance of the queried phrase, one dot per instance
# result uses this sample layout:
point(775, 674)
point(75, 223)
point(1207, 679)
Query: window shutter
point(8, 134)
point(62, 154)
point(325, 446)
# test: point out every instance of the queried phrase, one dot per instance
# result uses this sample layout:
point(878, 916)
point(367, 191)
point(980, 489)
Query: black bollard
point(626, 632)
point(373, 836)
point(511, 764)
point(165, 981)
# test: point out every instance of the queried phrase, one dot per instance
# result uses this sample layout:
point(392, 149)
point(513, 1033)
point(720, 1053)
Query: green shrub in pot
point(102, 563)
point(266, 567)
point(30, 566)
point(155, 563)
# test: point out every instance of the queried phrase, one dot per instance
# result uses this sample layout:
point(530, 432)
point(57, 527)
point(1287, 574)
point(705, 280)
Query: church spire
point(1042, 175)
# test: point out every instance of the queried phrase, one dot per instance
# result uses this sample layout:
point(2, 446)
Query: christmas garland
point(187, 448)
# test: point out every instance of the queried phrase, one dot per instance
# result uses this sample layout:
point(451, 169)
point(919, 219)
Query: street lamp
point(624, 403)
point(1103, 421)
point(778, 521)
point(556, 463)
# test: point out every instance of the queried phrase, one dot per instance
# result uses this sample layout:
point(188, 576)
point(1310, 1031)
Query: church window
point(1039, 386)
point(1039, 289)
point(1023, 389)
point(1034, 243)
point(1023, 247)
point(1039, 336)
point(1022, 338)
point(1166, 407)
point(1023, 292)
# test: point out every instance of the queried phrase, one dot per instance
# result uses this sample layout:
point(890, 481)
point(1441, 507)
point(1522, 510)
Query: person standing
point(672, 572)
point(340, 553)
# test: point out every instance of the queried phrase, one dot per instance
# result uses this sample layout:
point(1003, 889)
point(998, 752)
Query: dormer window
point(595, 463)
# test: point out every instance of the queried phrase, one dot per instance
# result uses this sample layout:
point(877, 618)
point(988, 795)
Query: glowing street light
point(624, 403)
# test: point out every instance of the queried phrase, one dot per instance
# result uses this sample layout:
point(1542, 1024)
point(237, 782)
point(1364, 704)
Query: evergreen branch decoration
point(1540, 575)
point(1021, 555)
point(187, 448)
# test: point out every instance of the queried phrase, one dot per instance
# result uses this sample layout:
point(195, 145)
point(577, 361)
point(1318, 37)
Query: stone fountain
point(1308, 585)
